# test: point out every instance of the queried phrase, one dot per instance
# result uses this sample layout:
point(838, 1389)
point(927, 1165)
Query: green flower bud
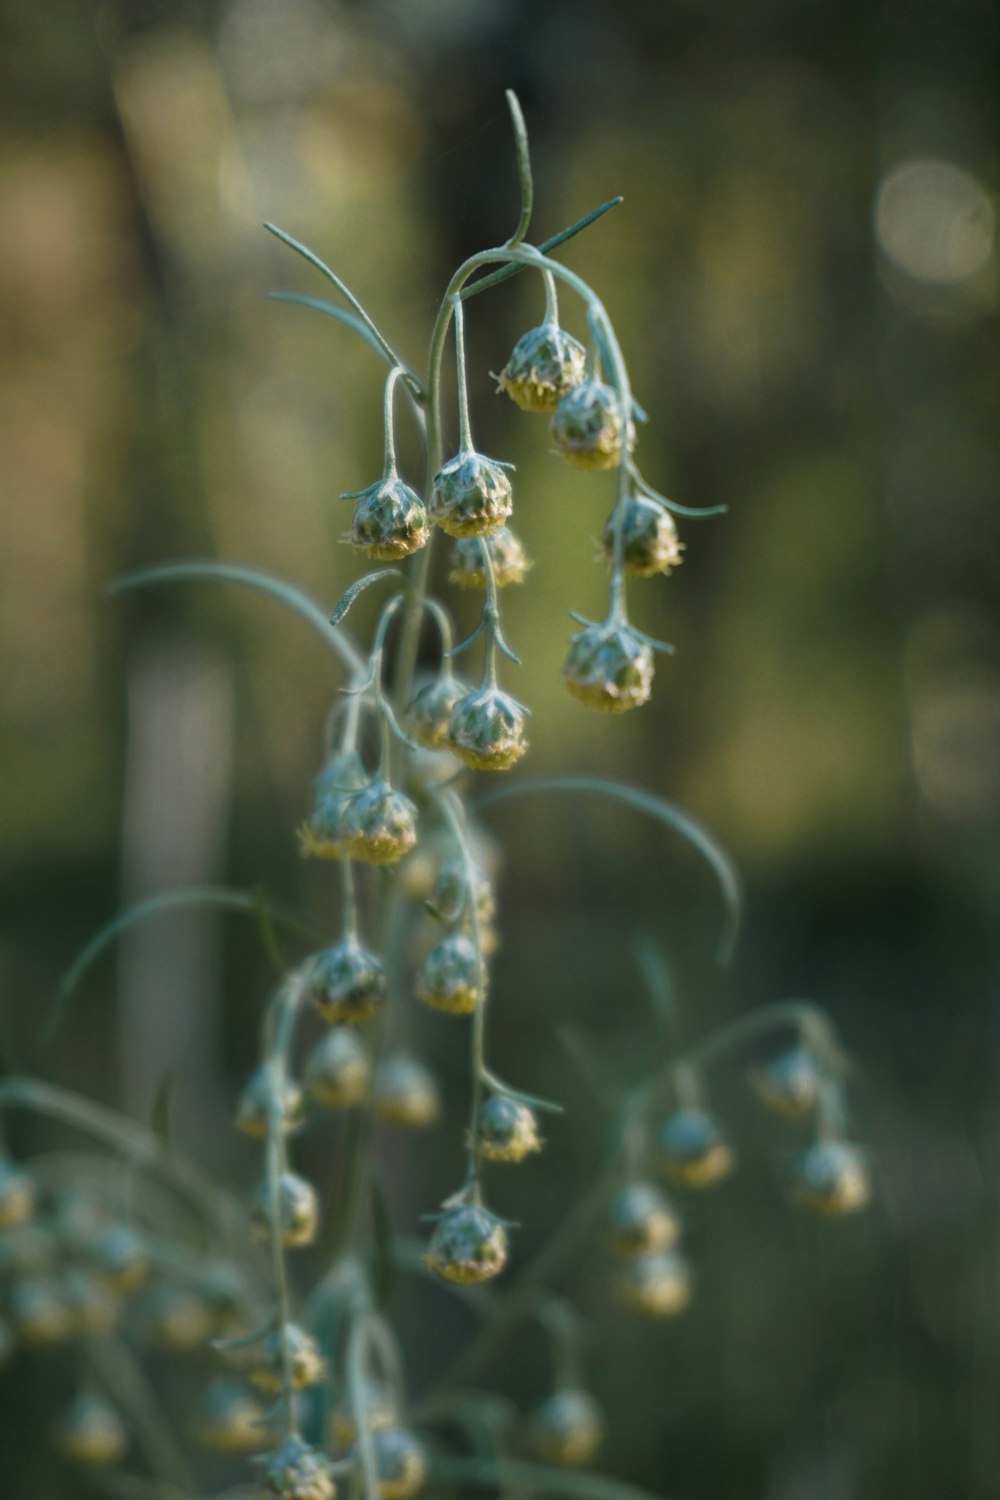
point(38, 1312)
point(450, 893)
point(566, 1429)
point(230, 1419)
point(789, 1084)
point(469, 1244)
point(609, 668)
point(641, 1220)
point(691, 1150)
point(306, 1363)
point(120, 1259)
point(544, 364)
point(254, 1106)
point(655, 1286)
point(296, 1472)
point(508, 1130)
point(379, 824)
point(390, 520)
point(449, 977)
point(336, 785)
point(91, 1433)
point(347, 984)
point(405, 1094)
point(487, 730)
point(17, 1195)
point(471, 496)
point(507, 558)
point(400, 1463)
point(831, 1179)
point(430, 711)
point(298, 1211)
point(381, 1411)
point(177, 1319)
point(339, 1070)
point(649, 538)
point(78, 1219)
point(587, 426)
point(92, 1308)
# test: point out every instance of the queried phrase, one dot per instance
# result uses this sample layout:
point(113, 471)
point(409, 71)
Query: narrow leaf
point(359, 585)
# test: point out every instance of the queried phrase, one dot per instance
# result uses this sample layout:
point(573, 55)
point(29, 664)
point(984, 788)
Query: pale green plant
point(327, 1355)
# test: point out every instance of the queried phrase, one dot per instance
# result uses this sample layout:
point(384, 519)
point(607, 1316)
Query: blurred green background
point(804, 279)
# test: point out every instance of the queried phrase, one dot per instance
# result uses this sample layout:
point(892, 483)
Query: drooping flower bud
point(469, 1244)
point(298, 1211)
point(544, 364)
point(508, 1130)
point(655, 1286)
point(381, 1410)
point(789, 1084)
point(400, 1463)
point(38, 1312)
point(93, 1309)
point(608, 667)
point(641, 1220)
point(347, 984)
point(390, 520)
point(587, 426)
point(449, 977)
point(379, 824)
point(487, 730)
point(91, 1433)
point(17, 1195)
point(305, 1362)
point(471, 495)
point(339, 781)
point(507, 559)
point(831, 1179)
point(338, 1070)
point(120, 1258)
point(650, 544)
point(431, 708)
point(255, 1103)
point(691, 1150)
point(450, 892)
point(566, 1429)
point(229, 1419)
point(405, 1094)
point(296, 1472)
point(177, 1319)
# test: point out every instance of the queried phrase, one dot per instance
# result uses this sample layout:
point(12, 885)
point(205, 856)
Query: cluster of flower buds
point(71, 1269)
point(643, 1232)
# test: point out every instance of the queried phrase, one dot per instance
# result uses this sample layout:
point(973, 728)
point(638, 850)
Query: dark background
point(804, 278)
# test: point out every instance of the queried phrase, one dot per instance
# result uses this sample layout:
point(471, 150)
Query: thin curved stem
point(524, 175)
point(389, 470)
point(357, 1357)
point(138, 1144)
point(227, 898)
point(663, 811)
point(551, 298)
point(124, 1379)
point(451, 808)
point(484, 283)
point(265, 583)
point(464, 425)
point(345, 291)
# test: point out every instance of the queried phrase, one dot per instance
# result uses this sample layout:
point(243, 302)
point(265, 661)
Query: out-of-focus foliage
point(804, 276)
